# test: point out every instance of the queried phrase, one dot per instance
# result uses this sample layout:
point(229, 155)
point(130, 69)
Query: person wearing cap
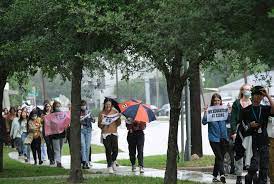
point(253, 122)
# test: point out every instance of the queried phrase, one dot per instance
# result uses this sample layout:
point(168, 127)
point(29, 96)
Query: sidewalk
point(126, 171)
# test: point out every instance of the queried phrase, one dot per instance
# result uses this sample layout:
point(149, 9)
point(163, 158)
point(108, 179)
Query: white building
point(232, 89)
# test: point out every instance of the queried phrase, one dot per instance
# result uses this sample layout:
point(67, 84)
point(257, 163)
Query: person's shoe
point(59, 164)
point(35, 162)
point(85, 165)
point(90, 163)
point(114, 167)
point(215, 180)
point(239, 180)
point(133, 168)
point(110, 170)
point(26, 160)
point(222, 178)
point(40, 162)
point(142, 169)
point(52, 163)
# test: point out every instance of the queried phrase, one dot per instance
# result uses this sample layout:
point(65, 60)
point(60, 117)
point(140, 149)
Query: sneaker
point(114, 167)
point(59, 164)
point(142, 169)
point(215, 180)
point(85, 165)
point(52, 163)
point(133, 168)
point(40, 162)
point(110, 170)
point(26, 160)
point(222, 178)
point(90, 163)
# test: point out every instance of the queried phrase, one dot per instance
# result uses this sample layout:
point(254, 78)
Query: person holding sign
point(216, 116)
point(253, 122)
point(108, 121)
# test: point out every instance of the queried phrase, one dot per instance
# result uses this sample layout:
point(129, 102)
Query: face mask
point(34, 117)
point(247, 93)
point(57, 109)
point(83, 107)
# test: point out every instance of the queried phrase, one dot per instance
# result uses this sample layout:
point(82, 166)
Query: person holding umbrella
point(136, 140)
point(108, 122)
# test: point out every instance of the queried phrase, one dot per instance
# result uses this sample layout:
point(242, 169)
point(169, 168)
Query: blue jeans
point(25, 147)
point(85, 143)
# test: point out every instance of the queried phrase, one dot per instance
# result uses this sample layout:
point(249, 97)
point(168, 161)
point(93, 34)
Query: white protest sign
point(217, 113)
point(270, 127)
point(108, 119)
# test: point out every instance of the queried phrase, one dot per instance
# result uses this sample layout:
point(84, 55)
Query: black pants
point(260, 159)
point(135, 141)
point(111, 147)
point(218, 149)
point(36, 148)
point(50, 150)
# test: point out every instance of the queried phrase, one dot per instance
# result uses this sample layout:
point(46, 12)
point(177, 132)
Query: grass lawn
point(99, 180)
point(13, 168)
point(159, 162)
point(95, 149)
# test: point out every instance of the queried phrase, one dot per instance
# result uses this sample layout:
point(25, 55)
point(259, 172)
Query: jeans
point(44, 151)
point(18, 145)
point(25, 147)
point(85, 143)
point(135, 141)
point(57, 147)
point(218, 149)
point(111, 147)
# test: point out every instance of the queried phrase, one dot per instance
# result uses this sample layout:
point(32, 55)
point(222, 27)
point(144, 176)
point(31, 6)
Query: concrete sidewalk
point(126, 171)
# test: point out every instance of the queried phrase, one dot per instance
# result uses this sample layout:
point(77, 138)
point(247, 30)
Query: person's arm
point(100, 118)
point(204, 120)
point(118, 122)
point(12, 129)
point(234, 117)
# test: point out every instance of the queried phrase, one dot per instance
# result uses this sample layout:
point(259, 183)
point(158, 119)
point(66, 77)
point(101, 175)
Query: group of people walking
point(26, 131)
point(246, 127)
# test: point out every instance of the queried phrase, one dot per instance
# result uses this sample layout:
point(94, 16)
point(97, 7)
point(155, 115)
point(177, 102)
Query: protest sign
point(108, 119)
point(217, 113)
point(56, 123)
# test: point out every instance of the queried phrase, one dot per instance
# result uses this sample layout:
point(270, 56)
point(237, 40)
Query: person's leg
point(50, 151)
point(33, 149)
point(107, 144)
point(140, 148)
point(217, 152)
point(131, 148)
point(264, 164)
point(88, 140)
point(44, 151)
point(38, 148)
point(253, 168)
point(114, 144)
point(83, 145)
point(56, 148)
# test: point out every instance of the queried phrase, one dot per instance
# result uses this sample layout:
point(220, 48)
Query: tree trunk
point(3, 80)
point(76, 175)
point(195, 111)
point(174, 89)
point(174, 94)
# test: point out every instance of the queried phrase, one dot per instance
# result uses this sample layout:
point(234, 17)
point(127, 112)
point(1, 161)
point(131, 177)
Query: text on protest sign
point(217, 113)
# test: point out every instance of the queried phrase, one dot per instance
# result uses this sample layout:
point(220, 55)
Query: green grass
point(159, 162)
point(98, 180)
point(13, 168)
point(95, 149)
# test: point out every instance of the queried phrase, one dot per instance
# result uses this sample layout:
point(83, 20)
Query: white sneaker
point(133, 168)
point(110, 170)
point(114, 167)
point(142, 169)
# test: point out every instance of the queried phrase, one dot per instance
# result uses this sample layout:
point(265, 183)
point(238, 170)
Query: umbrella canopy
point(137, 111)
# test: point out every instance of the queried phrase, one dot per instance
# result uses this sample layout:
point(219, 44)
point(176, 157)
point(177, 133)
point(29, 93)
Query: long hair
point(45, 108)
point(21, 117)
point(241, 91)
point(105, 101)
point(54, 105)
point(215, 95)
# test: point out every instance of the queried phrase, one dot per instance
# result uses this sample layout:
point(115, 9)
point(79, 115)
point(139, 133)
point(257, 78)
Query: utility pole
point(188, 118)
point(147, 90)
point(43, 86)
point(182, 128)
point(157, 89)
point(117, 87)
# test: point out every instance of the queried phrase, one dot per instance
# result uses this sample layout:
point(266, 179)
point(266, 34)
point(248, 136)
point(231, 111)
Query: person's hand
point(264, 92)
point(253, 124)
point(233, 136)
point(205, 108)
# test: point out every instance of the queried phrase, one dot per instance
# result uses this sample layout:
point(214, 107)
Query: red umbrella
point(138, 111)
